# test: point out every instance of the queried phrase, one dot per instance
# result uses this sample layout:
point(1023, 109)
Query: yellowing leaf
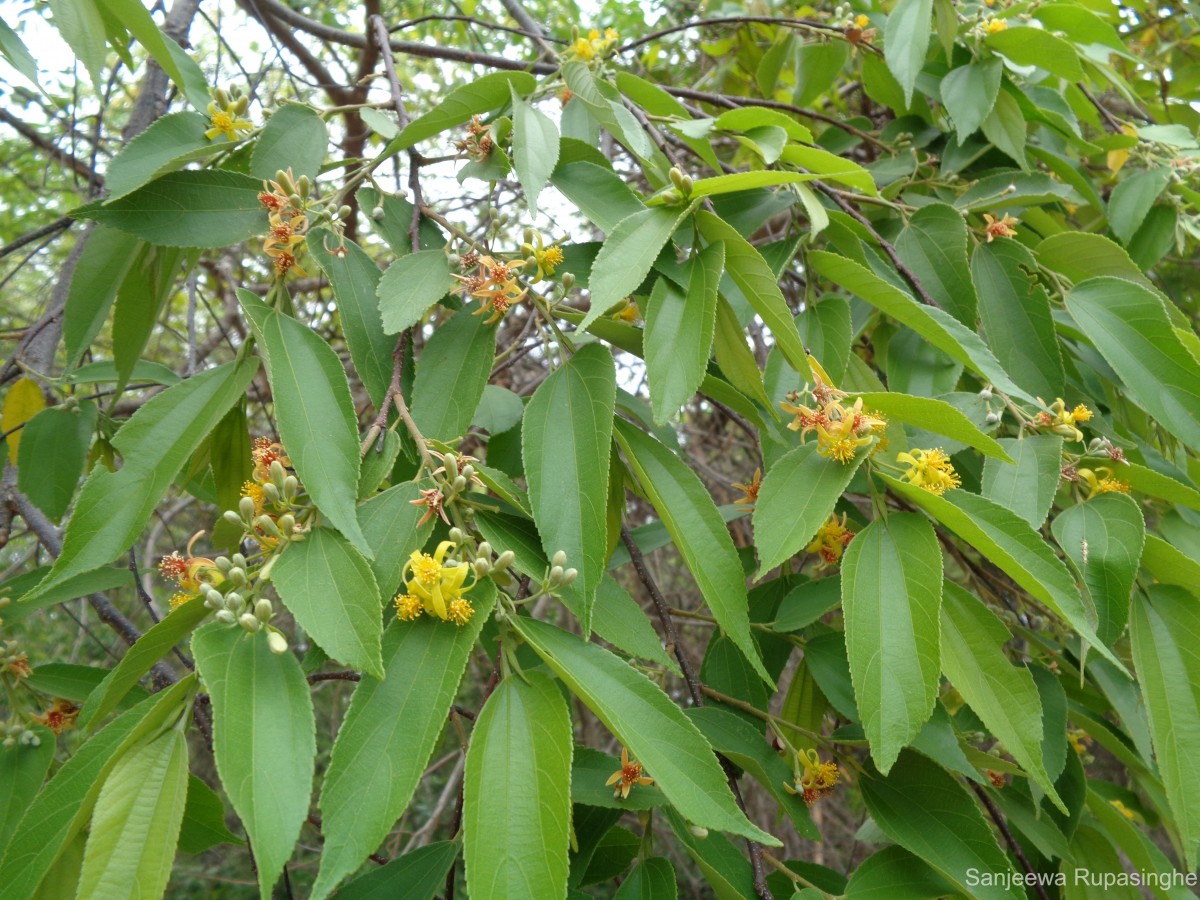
point(24, 401)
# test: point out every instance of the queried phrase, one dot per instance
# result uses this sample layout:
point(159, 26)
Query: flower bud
point(559, 559)
point(224, 563)
point(504, 560)
point(468, 471)
point(344, 211)
point(271, 493)
point(556, 576)
point(263, 610)
point(291, 487)
point(242, 104)
point(224, 615)
point(233, 602)
point(246, 508)
point(377, 214)
point(456, 535)
point(568, 281)
point(676, 177)
point(267, 524)
point(992, 418)
point(450, 461)
point(277, 642)
point(278, 473)
point(250, 622)
point(485, 550)
point(304, 183)
point(236, 576)
point(221, 96)
point(527, 235)
point(459, 485)
point(986, 393)
point(287, 524)
point(569, 576)
point(482, 567)
point(698, 831)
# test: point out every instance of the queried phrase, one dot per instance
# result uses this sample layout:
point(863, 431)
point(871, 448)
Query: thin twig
point(1019, 853)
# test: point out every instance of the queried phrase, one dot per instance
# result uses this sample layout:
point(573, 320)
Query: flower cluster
point(813, 778)
point(1062, 421)
point(929, 469)
point(494, 284)
point(630, 773)
point(1097, 481)
point(831, 540)
point(267, 497)
point(594, 46)
point(857, 31)
point(840, 430)
point(225, 116)
point(284, 199)
point(434, 586)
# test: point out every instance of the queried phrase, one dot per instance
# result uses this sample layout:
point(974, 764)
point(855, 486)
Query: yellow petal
point(24, 401)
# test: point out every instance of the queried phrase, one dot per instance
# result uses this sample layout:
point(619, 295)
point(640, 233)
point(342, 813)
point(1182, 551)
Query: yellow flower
point(750, 490)
point(629, 313)
point(547, 258)
point(226, 120)
point(495, 286)
point(839, 440)
point(408, 607)
point(861, 21)
point(192, 572)
point(831, 539)
point(179, 598)
point(437, 585)
point(929, 469)
point(1062, 421)
point(813, 778)
point(1078, 739)
point(1101, 481)
point(994, 25)
point(255, 493)
point(593, 45)
point(627, 776)
point(1123, 809)
point(1002, 228)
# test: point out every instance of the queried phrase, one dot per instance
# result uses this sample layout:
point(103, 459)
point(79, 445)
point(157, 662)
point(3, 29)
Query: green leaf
point(451, 374)
point(1132, 199)
point(938, 327)
point(934, 247)
point(938, 416)
point(64, 805)
point(315, 413)
point(627, 257)
point(649, 723)
point(652, 878)
point(106, 370)
point(1028, 46)
point(1004, 127)
point(152, 646)
point(414, 876)
point(480, 95)
point(929, 813)
point(54, 447)
point(831, 166)
point(598, 192)
point(131, 843)
point(395, 225)
point(1004, 696)
point(895, 874)
point(16, 53)
point(114, 507)
point(1008, 541)
point(736, 360)
point(106, 259)
point(410, 286)
point(203, 819)
point(294, 138)
point(1027, 485)
point(389, 733)
point(519, 773)
point(969, 93)
point(891, 594)
point(75, 682)
point(795, 498)
point(1016, 317)
point(679, 332)
point(328, 586)
point(535, 148)
point(1080, 256)
point(747, 181)
point(389, 521)
point(180, 67)
point(756, 280)
point(1129, 326)
point(193, 208)
point(743, 745)
point(229, 456)
point(82, 27)
point(1170, 566)
point(264, 738)
point(566, 442)
point(1165, 629)
point(167, 145)
point(1103, 538)
point(22, 769)
point(905, 41)
point(355, 279)
point(699, 532)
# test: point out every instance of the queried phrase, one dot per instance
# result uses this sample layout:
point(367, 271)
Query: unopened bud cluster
point(15, 733)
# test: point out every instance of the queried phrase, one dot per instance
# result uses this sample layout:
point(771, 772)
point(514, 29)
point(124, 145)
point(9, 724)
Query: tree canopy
point(548, 450)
